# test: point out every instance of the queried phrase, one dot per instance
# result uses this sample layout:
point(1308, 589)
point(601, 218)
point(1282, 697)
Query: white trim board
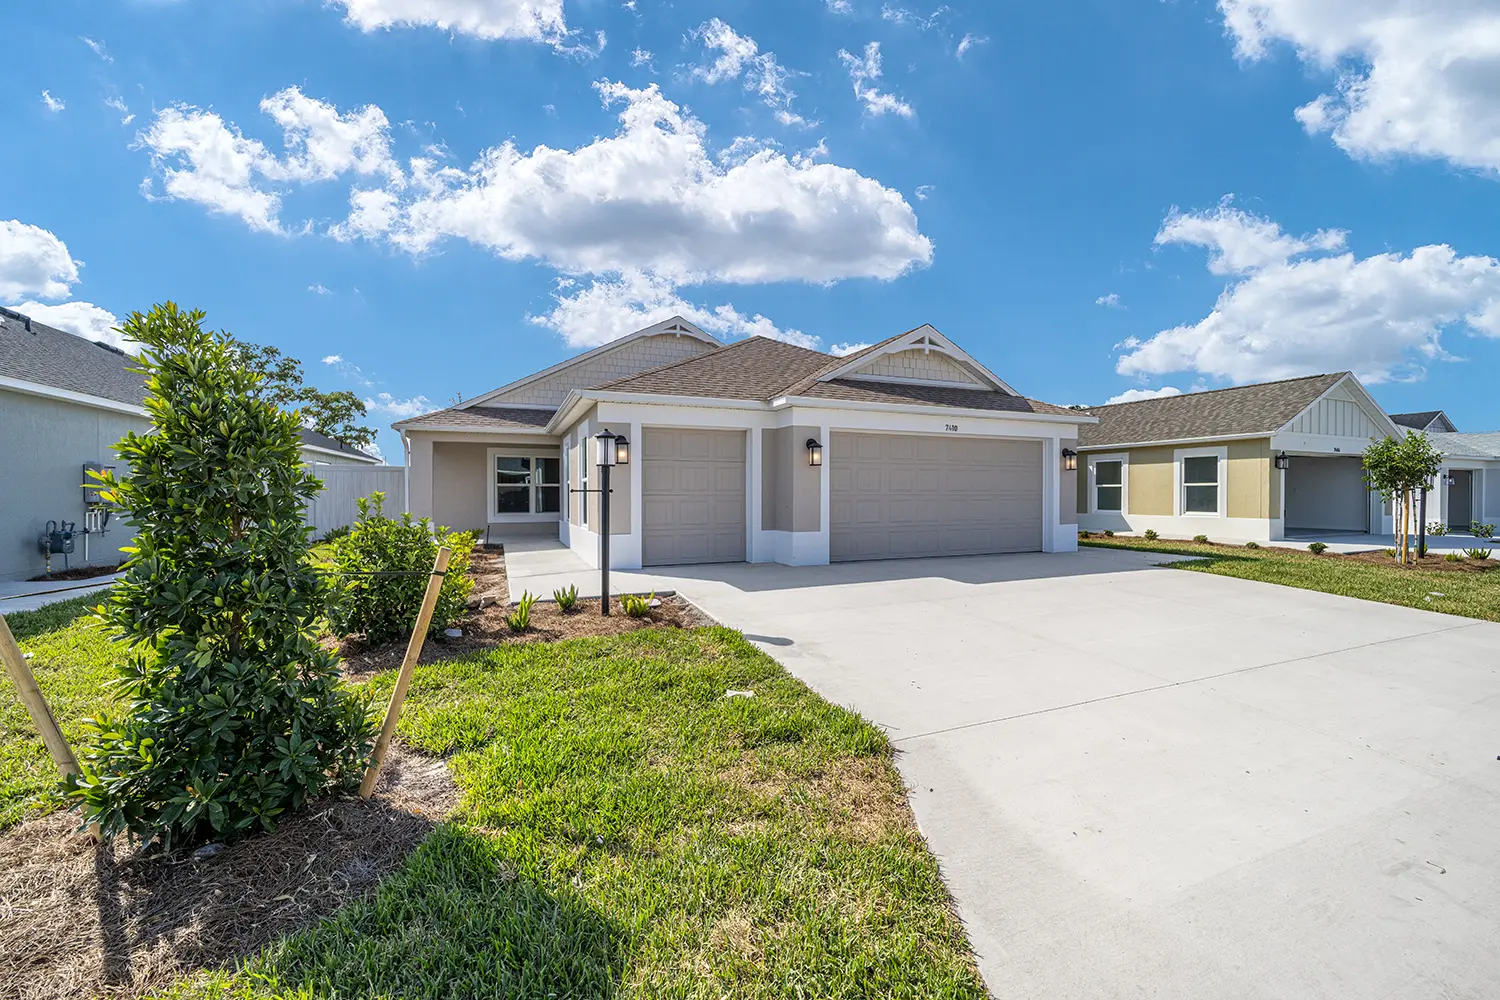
point(28, 388)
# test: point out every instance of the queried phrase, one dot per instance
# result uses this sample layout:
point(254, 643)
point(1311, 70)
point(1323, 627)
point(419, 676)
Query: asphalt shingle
point(1246, 409)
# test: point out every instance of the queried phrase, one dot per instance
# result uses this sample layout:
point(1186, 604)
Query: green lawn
point(73, 661)
point(626, 831)
point(1473, 595)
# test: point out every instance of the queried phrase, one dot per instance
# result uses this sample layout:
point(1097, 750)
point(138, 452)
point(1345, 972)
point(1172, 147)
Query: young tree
point(235, 714)
point(1395, 468)
point(336, 414)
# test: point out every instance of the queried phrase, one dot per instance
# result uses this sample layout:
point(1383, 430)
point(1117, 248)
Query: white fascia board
point(819, 403)
point(455, 429)
point(366, 459)
point(656, 329)
point(565, 416)
point(1117, 445)
point(69, 396)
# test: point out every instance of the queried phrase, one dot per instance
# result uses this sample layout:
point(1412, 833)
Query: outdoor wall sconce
point(814, 453)
point(1283, 461)
point(1070, 460)
point(622, 450)
point(1448, 479)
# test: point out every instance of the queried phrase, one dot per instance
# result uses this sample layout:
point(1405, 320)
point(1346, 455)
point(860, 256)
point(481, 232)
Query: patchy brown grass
point(77, 919)
point(855, 798)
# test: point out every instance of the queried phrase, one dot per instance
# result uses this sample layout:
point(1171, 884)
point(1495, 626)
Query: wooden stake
point(31, 696)
point(408, 666)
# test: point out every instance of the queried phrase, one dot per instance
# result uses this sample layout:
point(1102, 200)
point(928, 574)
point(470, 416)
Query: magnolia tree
point(1396, 468)
point(234, 713)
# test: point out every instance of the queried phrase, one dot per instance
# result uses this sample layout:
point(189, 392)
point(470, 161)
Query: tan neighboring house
point(1250, 463)
point(756, 451)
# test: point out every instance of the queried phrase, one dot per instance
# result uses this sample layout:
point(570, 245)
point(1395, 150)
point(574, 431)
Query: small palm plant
point(637, 606)
point(519, 620)
point(567, 599)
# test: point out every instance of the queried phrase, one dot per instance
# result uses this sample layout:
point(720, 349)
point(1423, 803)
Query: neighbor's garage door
point(692, 496)
point(899, 496)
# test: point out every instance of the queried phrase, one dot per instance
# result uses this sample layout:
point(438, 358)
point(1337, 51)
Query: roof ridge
point(723, 349)
point(1227, 388)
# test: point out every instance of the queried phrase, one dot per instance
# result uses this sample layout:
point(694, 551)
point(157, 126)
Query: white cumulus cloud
point(846, 349)
point(865, 68)
point(739, 55)
point(1409, 78)
point(1295, 307)
point(530, 20)
point(610, 308)
point(1110, 301)
point(1135, 395)
point(83, 319)
point(53, 104)
point(388, 405)
point(33, 261)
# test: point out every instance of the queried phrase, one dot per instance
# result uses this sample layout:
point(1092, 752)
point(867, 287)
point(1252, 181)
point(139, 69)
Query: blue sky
point(1092, 197)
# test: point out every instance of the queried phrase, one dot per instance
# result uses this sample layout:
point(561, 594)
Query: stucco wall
point(459, 490)
point(791, 490)
point(1151, 482)
point(627, 359)
point(44, 444)
point(582, 449)
point(1248, 480)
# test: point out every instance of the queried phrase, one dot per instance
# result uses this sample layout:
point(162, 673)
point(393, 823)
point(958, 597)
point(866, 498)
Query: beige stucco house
point(1207, 462)
point(756, 451)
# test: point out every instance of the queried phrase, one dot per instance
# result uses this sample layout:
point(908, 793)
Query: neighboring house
point(64, 404)
point(923, 451)
point(1430, 421)
point(1206, 462)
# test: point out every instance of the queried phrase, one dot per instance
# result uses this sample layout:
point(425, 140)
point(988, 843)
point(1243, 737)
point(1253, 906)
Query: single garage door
point(1327, 494)
point(899, 496)
point(692, 496)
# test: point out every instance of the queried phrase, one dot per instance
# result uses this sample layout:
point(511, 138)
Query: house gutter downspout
point(406, 474)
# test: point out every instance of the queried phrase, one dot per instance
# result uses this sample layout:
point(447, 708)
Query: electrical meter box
point(92, 487)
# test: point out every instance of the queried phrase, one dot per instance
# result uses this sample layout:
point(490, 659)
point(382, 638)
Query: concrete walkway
point(541, 564)
point(47, 593)
point(1350, 541)
point(1144, 783)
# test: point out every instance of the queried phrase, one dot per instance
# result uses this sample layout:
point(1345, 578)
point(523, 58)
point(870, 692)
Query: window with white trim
point(528, 484)
point(1200, 484)
point(1109, 485)
point(583, 482)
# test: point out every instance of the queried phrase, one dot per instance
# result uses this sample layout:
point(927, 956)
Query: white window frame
point(583, 480)
point(1179, 487)
point(1123, 458)
point(492, 488)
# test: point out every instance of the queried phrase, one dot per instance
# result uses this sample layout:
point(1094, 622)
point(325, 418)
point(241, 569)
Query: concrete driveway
point(1144, 782)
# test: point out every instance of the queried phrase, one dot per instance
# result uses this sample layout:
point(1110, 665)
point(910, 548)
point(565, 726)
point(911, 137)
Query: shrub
point(1392, 553)
point(1083, 534)
point(1201, 539)
point(1317, 548)
point(1477, 553)
point(1108, 533)
point(234, 715)
point(519, 620)
point(566, 600)
point(1453, 557)
point(334, 534)
point(1437, 528)
point(1252, 545)
point(637, 606)
point(1150, 535)
point(1481, 530)
point(384, 608)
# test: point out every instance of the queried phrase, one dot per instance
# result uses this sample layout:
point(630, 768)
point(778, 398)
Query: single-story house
point(1250, 463)
point(1468, 486)
point(1427, 421)
point(756, 451)
point(64, 404)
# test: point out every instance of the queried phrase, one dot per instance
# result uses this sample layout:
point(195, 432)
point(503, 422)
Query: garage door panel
point(901, 496)
point(693, 496)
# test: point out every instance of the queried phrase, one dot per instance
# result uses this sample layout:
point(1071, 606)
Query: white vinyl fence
point(334, 506)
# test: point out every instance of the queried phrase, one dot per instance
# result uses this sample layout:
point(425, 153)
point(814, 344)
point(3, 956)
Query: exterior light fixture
point(622, 450)
point(1448, 479)
point(606, 448)
point(1070, 460)
point(1283, 461)
point(814, 453)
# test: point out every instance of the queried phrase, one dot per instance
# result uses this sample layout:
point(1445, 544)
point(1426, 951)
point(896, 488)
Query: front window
point(527, 485)
point(1109, 485)
point(1200, 484)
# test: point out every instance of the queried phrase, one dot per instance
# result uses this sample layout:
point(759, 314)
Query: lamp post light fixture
point(1070, 460)
point(610, 450)
point(814, 453)
point(1283, 461)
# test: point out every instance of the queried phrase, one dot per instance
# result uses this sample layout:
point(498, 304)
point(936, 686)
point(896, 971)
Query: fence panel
point(334, 505)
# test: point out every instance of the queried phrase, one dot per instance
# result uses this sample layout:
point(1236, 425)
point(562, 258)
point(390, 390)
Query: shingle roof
point(34, 352)
point(482, 418)
point(755, 368)
point(1246, 409)
point(1468, 445)
point(1416, 420)
point(48, 356)
point(929, 395)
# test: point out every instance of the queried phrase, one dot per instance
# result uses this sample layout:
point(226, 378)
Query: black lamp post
point(613, 450)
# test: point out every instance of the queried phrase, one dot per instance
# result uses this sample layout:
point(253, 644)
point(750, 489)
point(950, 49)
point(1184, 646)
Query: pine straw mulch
point(79, 920)
point(485, 627)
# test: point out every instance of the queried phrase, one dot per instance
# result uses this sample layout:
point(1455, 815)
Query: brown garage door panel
point(900, 496)
point(692, 496)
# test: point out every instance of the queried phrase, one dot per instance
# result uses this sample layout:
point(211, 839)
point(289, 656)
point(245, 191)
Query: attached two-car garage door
point(901, 496)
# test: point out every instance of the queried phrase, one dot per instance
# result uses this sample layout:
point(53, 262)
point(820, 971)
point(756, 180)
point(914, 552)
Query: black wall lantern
point(622, 450)
point(1070, 460)
point(1283, 461)
point(814, 453)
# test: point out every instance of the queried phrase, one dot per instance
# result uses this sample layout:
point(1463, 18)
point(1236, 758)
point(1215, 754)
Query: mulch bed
point(485, 628)
point(76, 573)
point(80, 920)
point(1427, 562)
